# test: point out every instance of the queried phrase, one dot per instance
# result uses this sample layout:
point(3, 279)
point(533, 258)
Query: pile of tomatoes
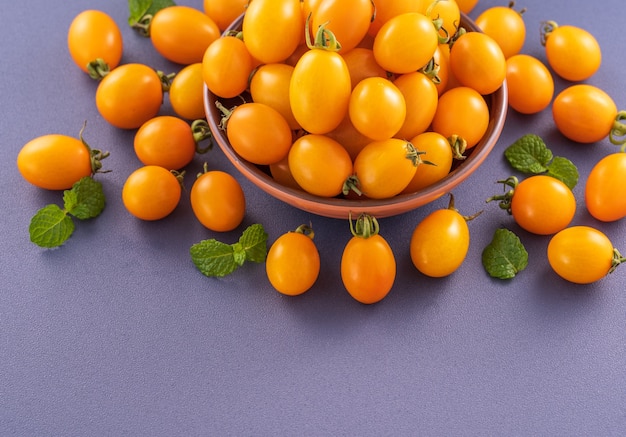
point(342, 97)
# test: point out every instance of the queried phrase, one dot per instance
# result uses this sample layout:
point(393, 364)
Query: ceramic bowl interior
point(340, 207)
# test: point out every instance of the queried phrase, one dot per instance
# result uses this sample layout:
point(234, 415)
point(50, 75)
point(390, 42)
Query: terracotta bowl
point(340, 207)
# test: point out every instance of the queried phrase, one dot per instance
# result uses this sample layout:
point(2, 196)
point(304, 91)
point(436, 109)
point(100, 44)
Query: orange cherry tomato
point(293, 262)
point(186, 92)
point(436, 150)
point(573, 53)
point(582, 254)
point(448, 12)
point(319, 106)
point(218, 201)
point(421, 97)
point(129, 95)
point(248, 133)
point(349, 20)
point(281, 173)
point(151, 192)
point(349, 137)
point(387, 9)
point(368, 264)
point(224, 12)
point(506, 26)
point(166, 141)
point(477, 61)
point(226, 67)
point(94, 34)
point(584, 113)
point(320, 165)
point(466, 6)
point(362, 64)
point(181, 34)
point(462, 112)
point(605, 189)
point(385, 168)
point(377, 108)
point(270, 85)
point(54, 161)
point(530, 85)
point(405, 43)
point(272, 29)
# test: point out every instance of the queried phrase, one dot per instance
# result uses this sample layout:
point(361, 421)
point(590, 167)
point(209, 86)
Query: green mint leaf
point(50, 227)
point(505, 256)
point(85, 200)
point(564, 170)
point(213, 258)
point(254, 243)
point(138, 9)
point(529, 154)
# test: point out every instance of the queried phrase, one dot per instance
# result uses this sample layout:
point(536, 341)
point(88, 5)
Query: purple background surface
point(117, 333)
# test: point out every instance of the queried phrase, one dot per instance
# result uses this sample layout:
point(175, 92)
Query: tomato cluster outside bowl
point(338, 207)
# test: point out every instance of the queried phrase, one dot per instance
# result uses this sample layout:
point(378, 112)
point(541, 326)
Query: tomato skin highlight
point(605, 189)
point(584, 113)
point(54, 161)
point(573, 53)
point(293, 263)
point(580, 254)
point(439, 243)
point(151, 193)
point(319, 90)
point(368, 268)
point(218, 201)
point(543, 205)
point(181, 34)
point(129, 96)
point(94, 34)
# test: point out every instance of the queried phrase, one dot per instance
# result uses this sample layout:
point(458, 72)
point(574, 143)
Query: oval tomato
point(320, 165)
point(272, 29)
point(226, 67)
point(181, 34)
point(477, 61)
point(462, 112)
point(166, 141)
point(421, 97)
point(349, 20)
point(319, 106)
point(440, 242)
point(186, 92)
point(581, 254)
point(506, 26)
point(368, 265)
point(55, 162)
point(218, 201)
point(385, 168)
point(405, 43)
point(605, 189)
point(377, 108)
point(584, 113)
point(224, 12)
point(129, 96)
point(387, 9)
point(92, 35)
point(436, 150)
point(248, 133)
point(293, 262)
point(530, 85)
point(572, 52)
point(270, 85)
point(151, 192)
point(362, 64)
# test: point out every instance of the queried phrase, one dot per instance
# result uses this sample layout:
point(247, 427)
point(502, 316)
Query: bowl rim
point(337, 207)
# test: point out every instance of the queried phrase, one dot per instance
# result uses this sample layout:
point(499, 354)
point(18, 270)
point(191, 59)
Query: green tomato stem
point(617, 260)
point(324, 38)
point(96, 155)
point(98, 68)
point(201, 131)
point(166, 80)
point(459, 145)
point(366, 226)
point(506, 198)
point(547, 27)
point(305, 230)
point(617, 135)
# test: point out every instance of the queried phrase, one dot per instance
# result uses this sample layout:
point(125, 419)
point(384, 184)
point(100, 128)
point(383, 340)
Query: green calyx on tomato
point(98, 68)
point(142, 11)
point(504, 200)
point(201, 131)
point(306, 230)
point(365, 226)
point(618, 258)
point(438, 23)
point(324, 38)
point(617, 135)
point(459, 145)
point(96, 155)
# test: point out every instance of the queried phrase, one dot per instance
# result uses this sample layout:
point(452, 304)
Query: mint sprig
point(52, 225)
point(217, 259)
point(529, 154)
point(505, 256)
